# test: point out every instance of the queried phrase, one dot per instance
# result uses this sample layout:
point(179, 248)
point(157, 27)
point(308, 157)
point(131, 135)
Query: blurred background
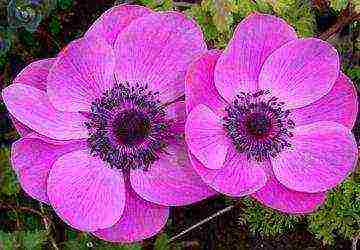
point(35, 29)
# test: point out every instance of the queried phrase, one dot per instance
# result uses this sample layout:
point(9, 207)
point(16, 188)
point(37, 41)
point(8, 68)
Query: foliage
point(9, 185)
point(339, 4)
point(299, 14)
point(265, 221)
point(22, 240)
point(50, 29)
point(341, 213)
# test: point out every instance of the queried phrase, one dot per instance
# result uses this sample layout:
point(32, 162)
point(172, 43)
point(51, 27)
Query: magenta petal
point(176, 114)
point(140, 220)
point(206, 137)
point(22, 129)
point(32, 107)
point(171, 180)
point(300, 72)
point(32, 159)
point(85, 192)
point(199, 83)
point(322, 155)
point(113, 21)
point(238, 176)
point(83, 71)
point(277, 196)
point(156, 50)
point(255, 38)
point(339, 105)
point(35, 74)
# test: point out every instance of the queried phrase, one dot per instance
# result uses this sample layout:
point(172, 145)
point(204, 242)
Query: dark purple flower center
point(131, 127)
point(128, 127)
point(260, 127)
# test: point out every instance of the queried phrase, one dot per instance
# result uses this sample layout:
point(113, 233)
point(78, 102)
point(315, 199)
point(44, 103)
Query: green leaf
point(161, 242)
point(298, 14)
point(339, 4)
point(9, 185)
point(340, 213)
point(32, 240)
point(265, 221)
point(29, 240)
point(6, 241)
point(65, 4)
point(55, 25)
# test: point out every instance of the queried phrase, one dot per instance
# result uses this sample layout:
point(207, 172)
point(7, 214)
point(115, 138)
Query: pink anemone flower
point(102, 124)
point(271, 116)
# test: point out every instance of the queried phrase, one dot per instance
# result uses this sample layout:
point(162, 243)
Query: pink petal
point(339, 105)
point(255, 38)
point(85, 193)
point(113, 21)
point(206, 137)
point(32, 107)
point(277, 196)
point(156, 50)
point(20, 128)
point(32, 159)
point(171, 180)
point(322, 156)
point(83, 71)
point(140, 220)
point(35, 74)
point(300, 72)
point(199, 83)
point(177, 115)
point(238, 176)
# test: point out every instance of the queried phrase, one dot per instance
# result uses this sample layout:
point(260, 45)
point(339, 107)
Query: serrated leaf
point(339, 4)
point(265, 221)
point(339, 215)
point(6, 241)
point(161, 242)
point(9, 185)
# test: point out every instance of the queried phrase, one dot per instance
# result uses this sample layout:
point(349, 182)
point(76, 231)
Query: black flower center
point(128, 127)
point(259, 127)
point(131, 127)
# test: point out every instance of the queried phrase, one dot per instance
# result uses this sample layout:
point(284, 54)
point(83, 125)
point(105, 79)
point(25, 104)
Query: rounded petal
point(277, 196)
point(156, 50)
point(171, 180)
point(255, 38)
point(322, 155)
point(114, 20)
point(32, 159)
point(22, 129)
point(300, 72)
point(206, 137)
point(238, 176)
point(85, 193)
point(35, 74)
point(199, 83)
point(32, 107)
point(339, 105)
point(177, 115)
point(140, 220)
point(83, 71)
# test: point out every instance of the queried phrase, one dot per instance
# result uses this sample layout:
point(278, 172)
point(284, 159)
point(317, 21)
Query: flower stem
point(227, 209)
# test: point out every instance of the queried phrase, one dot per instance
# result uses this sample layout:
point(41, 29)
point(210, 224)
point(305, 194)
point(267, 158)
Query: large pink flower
point(271, 116)
point(103, 124)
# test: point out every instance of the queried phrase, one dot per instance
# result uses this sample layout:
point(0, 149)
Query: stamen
point(128, 127)
point(259, 127)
